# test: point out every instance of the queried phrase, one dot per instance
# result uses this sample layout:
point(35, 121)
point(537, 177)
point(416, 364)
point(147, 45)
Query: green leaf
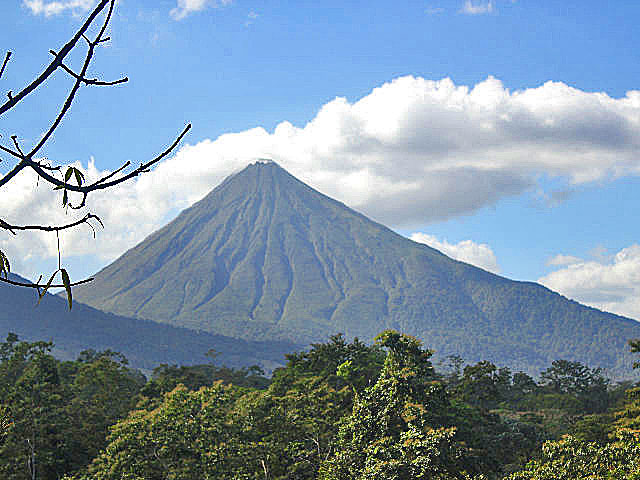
point(68, 174)
point(43, 293)
point(65, 198)
point(79, 176)
point(67, 286)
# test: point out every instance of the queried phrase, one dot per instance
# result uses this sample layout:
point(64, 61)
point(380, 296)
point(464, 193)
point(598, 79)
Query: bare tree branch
point(39, 285)
point(11, 152)
point(77, 85)
point(102, 184)
point(44, 228)
point(48, 172)
point(64, 51)
point(91, 81)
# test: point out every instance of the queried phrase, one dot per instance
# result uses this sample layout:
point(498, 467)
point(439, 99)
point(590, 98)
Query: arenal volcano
point(264, 256)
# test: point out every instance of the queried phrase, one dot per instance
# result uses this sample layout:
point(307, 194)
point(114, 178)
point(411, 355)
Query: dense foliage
point(338, 411)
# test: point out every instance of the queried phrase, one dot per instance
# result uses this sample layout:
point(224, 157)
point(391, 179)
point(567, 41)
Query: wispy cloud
point(478, 254)
point(50, 8)
point(474, 8)
point(185, 8)
point(561, 260)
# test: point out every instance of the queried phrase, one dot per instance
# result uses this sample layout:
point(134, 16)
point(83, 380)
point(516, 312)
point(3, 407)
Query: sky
point(505, 133)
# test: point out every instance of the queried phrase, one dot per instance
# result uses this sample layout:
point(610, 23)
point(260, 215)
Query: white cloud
point(478, 254)
point(187, 7)
point(49, 8)
point(563, 260)
point(472, 8)
point(410, 152)
point(613, 285)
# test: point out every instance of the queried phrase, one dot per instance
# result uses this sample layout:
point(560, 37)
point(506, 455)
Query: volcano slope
point(265, 257)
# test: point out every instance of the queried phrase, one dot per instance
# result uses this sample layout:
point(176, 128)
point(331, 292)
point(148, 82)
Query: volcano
point(266, 257)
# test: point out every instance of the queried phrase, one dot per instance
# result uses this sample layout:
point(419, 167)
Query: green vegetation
point(340, 410)
point(266, 257)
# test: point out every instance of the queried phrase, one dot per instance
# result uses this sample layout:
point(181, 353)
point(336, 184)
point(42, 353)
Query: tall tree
point(396, 429)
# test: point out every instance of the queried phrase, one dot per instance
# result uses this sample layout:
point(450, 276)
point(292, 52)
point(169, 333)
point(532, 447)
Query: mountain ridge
point(146, 344)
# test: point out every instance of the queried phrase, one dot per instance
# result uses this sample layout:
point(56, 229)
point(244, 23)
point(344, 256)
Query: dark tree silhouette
point(71, 179)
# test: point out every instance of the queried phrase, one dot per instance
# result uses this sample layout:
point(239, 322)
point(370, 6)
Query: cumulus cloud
point(472, 8)
point(613, 285)
point(412, 151)
point(478, 254)
point(185, 8)
point(49, 8)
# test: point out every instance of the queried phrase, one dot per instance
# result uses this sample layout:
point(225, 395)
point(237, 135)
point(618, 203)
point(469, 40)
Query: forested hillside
point(146, 344)
point(340, 411)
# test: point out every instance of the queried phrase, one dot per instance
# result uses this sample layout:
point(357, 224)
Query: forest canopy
point(340, 410)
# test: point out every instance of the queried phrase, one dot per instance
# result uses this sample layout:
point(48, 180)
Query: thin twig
point(112, 174)
point(88, 81)
point(11, 152)
point(143, 167)
point(67, 103)
point(49, 167)
point(4, 64)
point(17, 145)
point(64, 51)
point(98, 185)
point(44, 228)
point(79, 80)
point(92, 81)
point(14, 171)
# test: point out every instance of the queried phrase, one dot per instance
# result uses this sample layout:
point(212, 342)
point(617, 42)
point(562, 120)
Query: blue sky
point(501, 132)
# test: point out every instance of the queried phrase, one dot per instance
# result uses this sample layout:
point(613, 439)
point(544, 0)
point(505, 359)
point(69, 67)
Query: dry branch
point(44, 170)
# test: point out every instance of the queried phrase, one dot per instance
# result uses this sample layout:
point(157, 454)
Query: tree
point(572, 459)
point(71, 181)
point(635, 348)
point(628, 417)
point(30, 384)
point(102, 390)
point(336, 361)
point(589, 386)
point(397, 428)
point(484, 385)
point(186, 436)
